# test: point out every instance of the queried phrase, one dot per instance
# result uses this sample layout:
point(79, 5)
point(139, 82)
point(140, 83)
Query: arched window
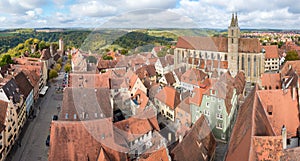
point(255, 66)
point(243, 62)
point(249, 65)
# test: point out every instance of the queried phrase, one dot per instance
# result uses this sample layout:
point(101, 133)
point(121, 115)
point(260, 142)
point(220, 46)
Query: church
point(216, 55)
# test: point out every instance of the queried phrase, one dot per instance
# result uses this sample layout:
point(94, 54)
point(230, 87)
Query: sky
point(275, 14)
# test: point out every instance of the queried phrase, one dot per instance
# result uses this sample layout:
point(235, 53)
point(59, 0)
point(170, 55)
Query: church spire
point(232, 20)
point(236, 20)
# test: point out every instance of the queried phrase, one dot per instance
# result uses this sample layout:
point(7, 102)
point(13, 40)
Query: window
point(219, 116)
point(219, 125)
point(249, 65)
point(207, 104)
point(243, 62)
point(255, 66)
point(75, 117)
point(219, 107)
point(66, 116)
point(232, 40)
point(207, 113)
point(223, 136)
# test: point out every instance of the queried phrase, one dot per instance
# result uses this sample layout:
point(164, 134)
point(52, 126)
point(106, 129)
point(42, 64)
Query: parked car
point(48, 140)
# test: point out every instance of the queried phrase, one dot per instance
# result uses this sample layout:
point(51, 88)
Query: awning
point(44, 90)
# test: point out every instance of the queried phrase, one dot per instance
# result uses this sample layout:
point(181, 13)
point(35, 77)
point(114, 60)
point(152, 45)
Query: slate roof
point(23, 83)
point(86, 104)
point(3, 111)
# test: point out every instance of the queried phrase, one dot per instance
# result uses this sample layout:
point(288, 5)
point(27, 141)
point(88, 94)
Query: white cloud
point(93, 9)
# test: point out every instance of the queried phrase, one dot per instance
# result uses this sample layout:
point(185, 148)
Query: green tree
point(68, 67)
point(57, 67)
point(106, 57)
point(42, 45)
point(53, 74)
point(291, 55)
point(59, 61)
point(6, 59)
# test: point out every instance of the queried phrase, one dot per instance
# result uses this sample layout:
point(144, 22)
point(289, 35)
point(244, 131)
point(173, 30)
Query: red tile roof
point(169, 96)
point(158, 155)
point(271, 51)
point(272, 80)
point(194, 77)
point(79, 140)
point(203, 43)
point(267, 147)
point(251, 121)
point(198, 144)
point(284, 110)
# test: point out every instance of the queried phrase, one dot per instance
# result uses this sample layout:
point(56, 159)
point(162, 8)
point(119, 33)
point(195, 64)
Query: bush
point(53, 74)
point(68, 68)
point(57, 67)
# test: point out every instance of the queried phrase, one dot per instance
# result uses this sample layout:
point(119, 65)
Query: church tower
point(233, 45)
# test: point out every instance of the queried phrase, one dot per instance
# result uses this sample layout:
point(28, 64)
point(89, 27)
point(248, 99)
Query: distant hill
point(135, 39)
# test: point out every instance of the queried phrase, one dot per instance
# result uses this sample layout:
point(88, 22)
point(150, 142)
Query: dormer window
point(270, 109)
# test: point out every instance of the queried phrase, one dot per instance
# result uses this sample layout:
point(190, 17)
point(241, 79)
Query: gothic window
point(255, 66)
point(206, 55)
point(249, 65)
point(232, 40)
point(219, 57)
point(182, 54)
point(243, 62)
point(231, 32)
point(238, 63)
point(225, 56)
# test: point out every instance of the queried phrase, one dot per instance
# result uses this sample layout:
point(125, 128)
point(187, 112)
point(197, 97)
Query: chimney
point(170, 137)
point(294, 93)
point(284, 137)
point(180, 138)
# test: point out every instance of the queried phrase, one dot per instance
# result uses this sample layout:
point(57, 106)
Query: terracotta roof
point(158, 155)
point(45, 55)
point(169, 96)
point(240, 82)
point(79, 140)
point(133, 128)
point(179, 72)
point(196, 97)
point(102, 156)
point(271, 51)
point(132, 81)
point(85, 104)
point(106, 64)
point(251, 121)
point(23, 83)
point(267, 147)
point(198, 144)
point(272, 80)
point(203, 43)
point(141, 99)
point(90, 80)
point(249, 45)
point(291, 64)
point(223, 88)
point(281, 116)
point(117, 83)
point(170, 78)
point(146, 71)
point(3, 111)
point(194, 77)
point(185, 105)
